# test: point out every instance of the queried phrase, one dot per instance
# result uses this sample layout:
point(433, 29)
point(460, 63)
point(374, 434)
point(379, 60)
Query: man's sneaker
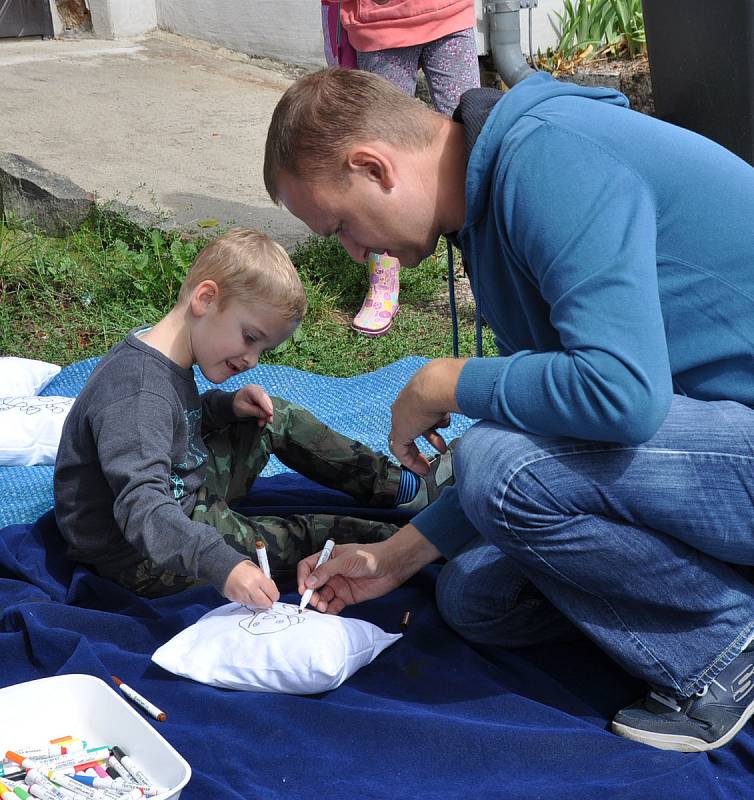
point(439, 476)
point(708, 719)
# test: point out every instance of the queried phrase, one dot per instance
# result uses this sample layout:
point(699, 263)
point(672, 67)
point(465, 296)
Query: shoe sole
point(682, 744)
point(378, 331)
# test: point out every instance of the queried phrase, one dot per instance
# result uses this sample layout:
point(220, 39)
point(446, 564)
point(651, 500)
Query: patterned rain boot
point(381, 303)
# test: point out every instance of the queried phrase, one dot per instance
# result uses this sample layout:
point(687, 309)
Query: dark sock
point(407, 488)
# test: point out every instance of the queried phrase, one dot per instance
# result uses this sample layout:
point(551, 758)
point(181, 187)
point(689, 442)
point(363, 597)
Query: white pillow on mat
point(30, 429)
point(273, 650)
point(24, 376)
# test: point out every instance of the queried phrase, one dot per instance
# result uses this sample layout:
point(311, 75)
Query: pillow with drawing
point(273, 650)
point(30, 429)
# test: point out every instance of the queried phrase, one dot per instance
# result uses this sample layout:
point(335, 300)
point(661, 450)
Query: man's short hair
point(324, 113)
point(249, 267)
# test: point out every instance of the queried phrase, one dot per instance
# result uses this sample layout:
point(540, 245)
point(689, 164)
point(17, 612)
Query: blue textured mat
point(358, 407)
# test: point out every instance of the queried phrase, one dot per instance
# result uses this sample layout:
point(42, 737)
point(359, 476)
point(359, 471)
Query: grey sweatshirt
point(131, 461)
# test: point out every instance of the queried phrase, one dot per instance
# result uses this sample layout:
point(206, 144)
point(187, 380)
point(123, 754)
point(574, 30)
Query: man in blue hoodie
point(608, 486)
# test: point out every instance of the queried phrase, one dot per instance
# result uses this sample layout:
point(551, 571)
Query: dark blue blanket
point(429, 718)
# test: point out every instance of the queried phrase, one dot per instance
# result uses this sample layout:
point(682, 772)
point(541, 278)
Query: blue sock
point(407, 488)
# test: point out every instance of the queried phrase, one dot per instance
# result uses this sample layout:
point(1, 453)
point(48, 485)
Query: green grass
point(63, 300)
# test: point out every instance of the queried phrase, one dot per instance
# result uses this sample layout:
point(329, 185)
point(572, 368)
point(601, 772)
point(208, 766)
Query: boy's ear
point(205, 295)
point(372, 163)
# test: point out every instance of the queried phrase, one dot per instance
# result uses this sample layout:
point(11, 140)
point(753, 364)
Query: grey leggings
point(450, 65)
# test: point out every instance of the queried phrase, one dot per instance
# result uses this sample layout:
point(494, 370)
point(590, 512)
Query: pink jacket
point(384, 24)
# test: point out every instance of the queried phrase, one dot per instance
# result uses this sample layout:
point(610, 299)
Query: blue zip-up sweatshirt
point(612, 254)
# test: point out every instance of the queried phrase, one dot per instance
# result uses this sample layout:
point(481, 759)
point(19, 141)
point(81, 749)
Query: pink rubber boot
point(381, 303)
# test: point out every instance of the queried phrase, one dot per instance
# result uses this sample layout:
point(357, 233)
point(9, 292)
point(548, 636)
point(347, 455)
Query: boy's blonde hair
point(323, 114)
point(248, 266)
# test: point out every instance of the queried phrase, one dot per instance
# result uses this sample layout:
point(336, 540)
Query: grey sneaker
point(439, 476)
point(708, 719)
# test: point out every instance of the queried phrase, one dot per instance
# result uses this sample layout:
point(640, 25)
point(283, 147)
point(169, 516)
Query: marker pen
point(122, 772)
point(6, 793)
point(14, 776)
point(119, 784)
point(68, 782)
point(91, 766)
point(58, 762)
point(323, 556)
point(52, 750)
point(264, 563)
point(140, 700)
point(11, 786)
point(37, 790)
point(41, 786)
point(134, 794)
point(139, 777)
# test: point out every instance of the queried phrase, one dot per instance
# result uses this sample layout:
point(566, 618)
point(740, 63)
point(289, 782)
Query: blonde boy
point(148, 468)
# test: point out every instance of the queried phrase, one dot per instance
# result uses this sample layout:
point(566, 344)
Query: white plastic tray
point(85, 706)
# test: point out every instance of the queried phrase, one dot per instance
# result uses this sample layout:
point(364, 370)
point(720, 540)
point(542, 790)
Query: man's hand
point(358, 572)
point(248, 585)
point(252, 401)
point(423, 405)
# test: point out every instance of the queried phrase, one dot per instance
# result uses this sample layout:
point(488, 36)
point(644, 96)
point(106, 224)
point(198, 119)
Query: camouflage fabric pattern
point(237, 455)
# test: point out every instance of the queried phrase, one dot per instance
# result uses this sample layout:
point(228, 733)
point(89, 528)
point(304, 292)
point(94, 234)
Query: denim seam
point(732, 651)
point(578, 451)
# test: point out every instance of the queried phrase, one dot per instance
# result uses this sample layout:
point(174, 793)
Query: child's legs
point(451, 67)
point(398, 65)
point(237, 454)
point(288, 539)
point(310, 447)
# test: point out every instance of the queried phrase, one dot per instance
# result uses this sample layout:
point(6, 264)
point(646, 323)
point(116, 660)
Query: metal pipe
point(505, 41)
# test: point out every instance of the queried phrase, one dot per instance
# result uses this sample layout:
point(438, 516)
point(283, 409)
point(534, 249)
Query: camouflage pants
point(239, 452)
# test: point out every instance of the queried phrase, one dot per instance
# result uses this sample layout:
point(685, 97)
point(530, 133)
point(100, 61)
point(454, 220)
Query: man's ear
point(204, 297)
point(373, 163)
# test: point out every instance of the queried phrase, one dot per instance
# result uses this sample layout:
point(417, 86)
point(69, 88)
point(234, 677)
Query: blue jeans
point(638, 546)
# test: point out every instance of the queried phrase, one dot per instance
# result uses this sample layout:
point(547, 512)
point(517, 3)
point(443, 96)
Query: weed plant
point(63, 300)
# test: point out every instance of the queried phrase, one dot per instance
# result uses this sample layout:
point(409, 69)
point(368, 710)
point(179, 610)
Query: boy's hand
point(252, 401)
point(248, 585)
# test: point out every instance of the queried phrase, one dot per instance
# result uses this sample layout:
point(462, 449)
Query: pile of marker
point(68, 769)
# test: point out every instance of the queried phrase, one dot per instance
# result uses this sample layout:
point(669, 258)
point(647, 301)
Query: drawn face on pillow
point(271, 620)
point(316, 658)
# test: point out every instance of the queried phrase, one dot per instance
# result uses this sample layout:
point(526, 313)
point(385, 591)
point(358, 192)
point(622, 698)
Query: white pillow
point(24, 376)
point(30, 429)
point(273, 650)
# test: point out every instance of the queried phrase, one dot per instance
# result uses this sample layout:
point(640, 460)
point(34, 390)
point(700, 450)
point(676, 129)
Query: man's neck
point(171, 338)
point(451, 175)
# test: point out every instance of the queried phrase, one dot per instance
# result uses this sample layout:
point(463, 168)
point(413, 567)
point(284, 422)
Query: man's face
point(367, 215)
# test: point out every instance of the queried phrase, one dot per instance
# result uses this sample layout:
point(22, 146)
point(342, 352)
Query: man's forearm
point(409, 551)
point(435, 384)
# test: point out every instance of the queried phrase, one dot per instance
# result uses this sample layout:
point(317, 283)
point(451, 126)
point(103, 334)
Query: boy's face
point(230, 340)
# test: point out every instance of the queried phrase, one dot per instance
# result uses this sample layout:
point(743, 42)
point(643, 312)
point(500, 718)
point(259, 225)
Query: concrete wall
point(119, 19)
point(289, 30)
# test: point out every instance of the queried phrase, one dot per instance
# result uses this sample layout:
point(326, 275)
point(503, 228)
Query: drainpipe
point(505, 40)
